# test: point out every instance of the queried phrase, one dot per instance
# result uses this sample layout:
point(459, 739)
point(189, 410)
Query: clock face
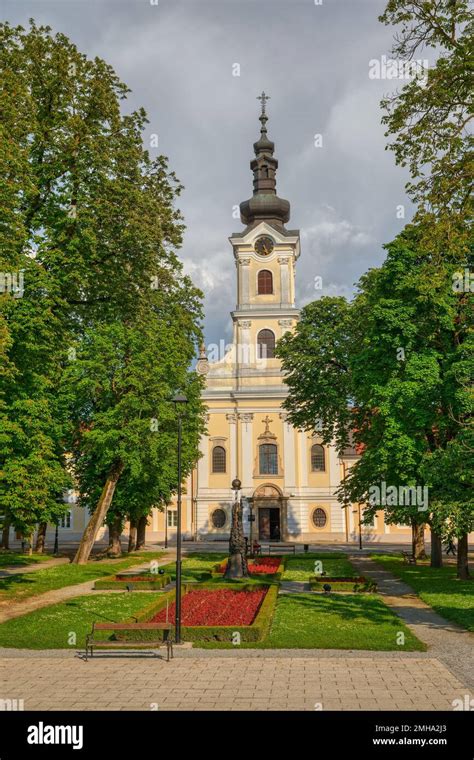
point(264, 246)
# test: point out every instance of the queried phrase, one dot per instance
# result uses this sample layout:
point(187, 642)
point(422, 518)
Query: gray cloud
point(177, 58)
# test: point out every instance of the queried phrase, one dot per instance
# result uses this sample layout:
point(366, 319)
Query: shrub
point(317, 582)
point(155, 582)
point(254, 632)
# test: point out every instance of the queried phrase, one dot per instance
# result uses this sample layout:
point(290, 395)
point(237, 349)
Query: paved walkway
point(242, 681)
point(450, 643)
point(5, 572)
point(253, 679)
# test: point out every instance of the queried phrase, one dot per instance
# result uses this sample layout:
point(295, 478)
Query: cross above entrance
point(267, 421)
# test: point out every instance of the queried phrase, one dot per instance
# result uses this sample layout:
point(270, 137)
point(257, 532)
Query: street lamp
point(251, 519)
point(180, 402)
point(357, 512)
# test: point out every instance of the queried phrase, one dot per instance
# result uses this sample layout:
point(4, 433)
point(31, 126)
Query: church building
point(289, 479)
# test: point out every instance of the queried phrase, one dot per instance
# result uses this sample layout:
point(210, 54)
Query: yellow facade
point(289, 480)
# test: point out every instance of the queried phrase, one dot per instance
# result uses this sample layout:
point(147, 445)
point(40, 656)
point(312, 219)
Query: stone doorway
point(269, 508)
point(269, 524)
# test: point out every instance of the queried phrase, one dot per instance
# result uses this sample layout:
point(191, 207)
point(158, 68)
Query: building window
point(66, 520)
point(268, 459)
point(218, 518)
point(371, 522)
point(317, 458)
point(265, 283)
point(319, 518)
point(218, 459)
point(266, 344)
point(172, 518)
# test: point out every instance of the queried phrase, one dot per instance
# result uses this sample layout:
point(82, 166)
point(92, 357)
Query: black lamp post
point(251, 519)
point(180, 402)
point(357, 512)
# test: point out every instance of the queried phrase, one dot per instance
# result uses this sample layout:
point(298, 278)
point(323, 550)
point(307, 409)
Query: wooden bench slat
point(125, 644)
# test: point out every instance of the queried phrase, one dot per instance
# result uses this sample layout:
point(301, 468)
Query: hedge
point(255, 632)
point(316, 583)
point(153, 585)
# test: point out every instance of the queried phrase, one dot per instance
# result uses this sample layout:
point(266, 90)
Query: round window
point(319, 518)
point(218, 518)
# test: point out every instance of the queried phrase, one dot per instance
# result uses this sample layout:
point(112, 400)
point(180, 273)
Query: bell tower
point(265, 254)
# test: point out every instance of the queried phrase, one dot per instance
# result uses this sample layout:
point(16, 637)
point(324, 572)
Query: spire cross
point(263, 98)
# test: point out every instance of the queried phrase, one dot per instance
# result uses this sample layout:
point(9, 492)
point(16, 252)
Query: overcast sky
point(313, 60)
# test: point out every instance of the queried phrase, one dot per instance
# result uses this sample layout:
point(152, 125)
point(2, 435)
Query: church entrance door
point(269, 524)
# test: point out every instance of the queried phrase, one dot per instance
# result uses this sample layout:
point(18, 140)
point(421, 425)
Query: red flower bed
point(220, 607)
point(267, 565)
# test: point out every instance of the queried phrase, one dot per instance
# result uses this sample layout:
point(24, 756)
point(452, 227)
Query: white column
point(244, 281)
point(246, 451)
point(203, 462)
point(334, 467)
point(245, 356)
point(189, 503)
point(232, 420)
point(285, 324)
point(303, 458)
point(288, 452)
point(245, 514)
point(284, 279)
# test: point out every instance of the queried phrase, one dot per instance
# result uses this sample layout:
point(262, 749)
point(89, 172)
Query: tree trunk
point(27, 544)
point(141, 531)
point(115, 532)
point(436, 550)
point(463, 560)
point(98, 517)
point(6, 534)
point(41, 538)
point(418, 540)
point(132, 536)
point(237, 561)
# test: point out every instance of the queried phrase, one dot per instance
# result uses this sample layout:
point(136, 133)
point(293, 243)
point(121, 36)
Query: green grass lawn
point(196, 566)
point(9, 558)
point(51, 627)
point(451, 598)
point(305, 621)
point(339, 621)
point(300, 567)
point(18, 587)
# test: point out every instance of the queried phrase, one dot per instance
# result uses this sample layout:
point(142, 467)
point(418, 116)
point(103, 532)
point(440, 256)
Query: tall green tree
point(90, 219)
point(392, 370)
point(428, 120)
point(121, 384)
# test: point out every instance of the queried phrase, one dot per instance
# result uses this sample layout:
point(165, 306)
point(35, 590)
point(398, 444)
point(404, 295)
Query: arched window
point(317, 458)
point(319, 518)
point(265, 283)
point(218, 459)
point(268, 459)
point(218, 518)
point(266, 344)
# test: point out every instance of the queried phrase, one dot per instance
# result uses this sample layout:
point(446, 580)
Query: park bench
point(408, 558)
point(279, 548)
point(161, 640)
